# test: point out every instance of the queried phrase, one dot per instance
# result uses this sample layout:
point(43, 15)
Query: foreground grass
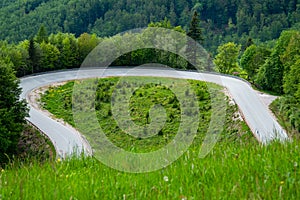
point(231, 171)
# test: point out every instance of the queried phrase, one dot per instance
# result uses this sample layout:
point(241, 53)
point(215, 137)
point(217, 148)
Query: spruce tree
point(12, 111)
point(42, 35)
point(195, 33)
point(34, 56)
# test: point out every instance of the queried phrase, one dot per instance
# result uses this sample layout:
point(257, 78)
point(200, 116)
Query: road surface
point(67, 140)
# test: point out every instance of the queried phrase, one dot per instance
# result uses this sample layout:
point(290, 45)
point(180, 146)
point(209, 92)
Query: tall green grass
point(230, 171)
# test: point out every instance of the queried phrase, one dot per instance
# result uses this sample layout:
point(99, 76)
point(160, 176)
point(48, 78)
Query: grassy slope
point(231, 171)
point(58, 102)
point(34, 145)
point(237, 168)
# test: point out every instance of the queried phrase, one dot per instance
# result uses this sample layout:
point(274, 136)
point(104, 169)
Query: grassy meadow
point(238, 170)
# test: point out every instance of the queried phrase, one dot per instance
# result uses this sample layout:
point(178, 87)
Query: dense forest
point(256, 40)
point(221, 20)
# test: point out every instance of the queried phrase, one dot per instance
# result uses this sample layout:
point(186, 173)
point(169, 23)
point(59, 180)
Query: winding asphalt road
point(68, 141)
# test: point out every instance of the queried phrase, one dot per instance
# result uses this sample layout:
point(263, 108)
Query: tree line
point(274, 69)
point(222, 20)
point(46, 52)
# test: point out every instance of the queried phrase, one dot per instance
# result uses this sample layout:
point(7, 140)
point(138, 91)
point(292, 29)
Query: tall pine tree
point(195, 33)
point(12, 111)
point(34, 56)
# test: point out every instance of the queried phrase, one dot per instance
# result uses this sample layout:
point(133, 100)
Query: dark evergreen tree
point(195, 33)
point(42, 35)
point(34, 56)
point(12, 111)
point(248, 44)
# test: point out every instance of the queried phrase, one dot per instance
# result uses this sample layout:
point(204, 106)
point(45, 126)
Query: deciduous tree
point(252, 59)
point(50, 56)
point(227, 58)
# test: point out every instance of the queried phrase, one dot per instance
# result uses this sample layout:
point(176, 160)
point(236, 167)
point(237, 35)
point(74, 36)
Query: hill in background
point(221, 20)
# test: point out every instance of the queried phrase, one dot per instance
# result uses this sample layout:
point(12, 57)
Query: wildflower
point(182, 197)
point(58, 160)
point(166, 178)
point(281, 182)
point(2, 170)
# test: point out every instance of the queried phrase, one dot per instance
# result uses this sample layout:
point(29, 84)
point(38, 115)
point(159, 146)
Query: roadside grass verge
point(288, 114)
point(34, 145)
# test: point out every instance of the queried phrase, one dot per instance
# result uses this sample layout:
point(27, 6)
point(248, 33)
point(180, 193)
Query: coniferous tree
point(195, 33)
point(34, 56)
point(42, 35)
point(12, 111)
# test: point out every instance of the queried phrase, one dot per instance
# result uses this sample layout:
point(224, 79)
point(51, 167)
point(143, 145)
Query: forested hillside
point(221, 20)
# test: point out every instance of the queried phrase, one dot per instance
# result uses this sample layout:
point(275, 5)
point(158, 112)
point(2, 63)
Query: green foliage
point(19, 56)
point(150, 55)
point(287, 110)
point(50, 56)
point(86, 43)
point(222, 21)
point(280, 74)
point(42, 35)
point(61, 107)
point(226, 60)
point(12, 111)
point(58, 101)
point(292, 80)
point(271, 74)
point(164, 24)
point(67, 45)
point(252, 59)
point(290, 59)
point(68, 54)
point(195, 31)
point(34, 54)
